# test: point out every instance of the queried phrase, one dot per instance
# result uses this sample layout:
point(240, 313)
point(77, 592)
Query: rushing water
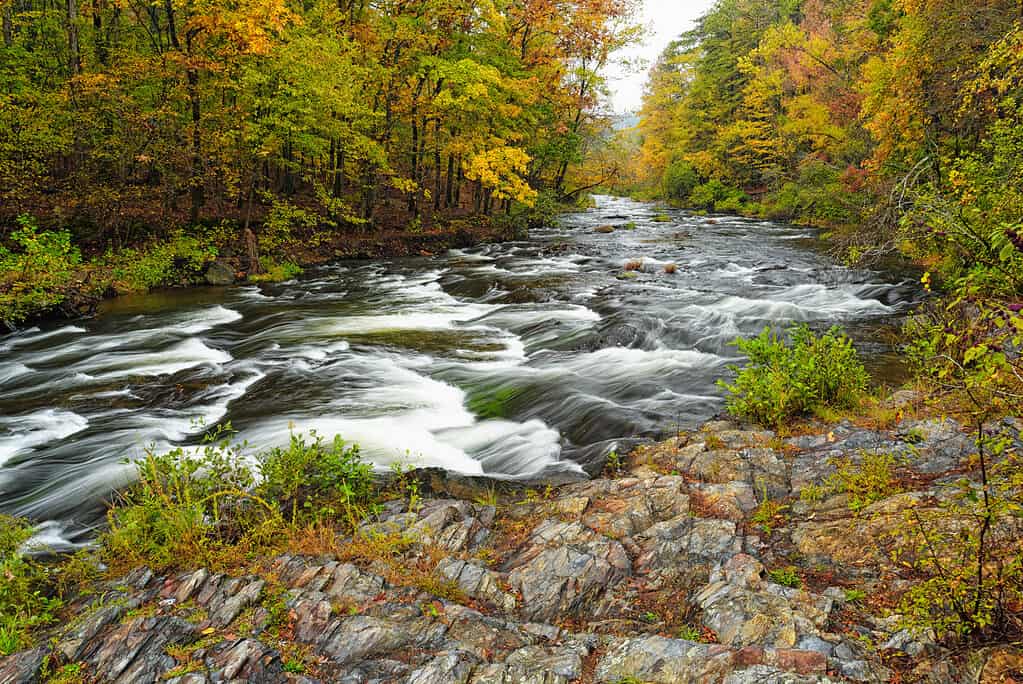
point(523, 359)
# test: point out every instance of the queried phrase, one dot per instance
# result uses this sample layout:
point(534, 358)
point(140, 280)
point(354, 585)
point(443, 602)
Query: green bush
point(274, 272)
point(207, 506)
point(867, 482)
point(968, 551)
point(35, 276)
point(25, 603)
point(679, 180)
point(785, 380)
point(180, 259)
point(715, 195)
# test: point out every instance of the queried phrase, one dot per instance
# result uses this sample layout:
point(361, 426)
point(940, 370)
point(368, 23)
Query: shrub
point(679, 180)
point(784, 380)
point(715, 195)
point(25, 603)
point(870, 481)
point(274, 272)
point(34, 276)
point(787, 577)
point(208, 506)
point(282, 217)
point(177, 260)
point(969, 552)
point(971, 346)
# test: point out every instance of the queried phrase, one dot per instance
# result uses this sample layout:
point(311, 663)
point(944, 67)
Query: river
point(526, 359)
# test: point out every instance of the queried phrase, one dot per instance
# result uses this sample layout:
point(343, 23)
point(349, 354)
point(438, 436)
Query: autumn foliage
point(894, 121)
point(121, 118)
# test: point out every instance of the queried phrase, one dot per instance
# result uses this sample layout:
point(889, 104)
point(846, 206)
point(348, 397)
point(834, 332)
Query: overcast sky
point(665, 21)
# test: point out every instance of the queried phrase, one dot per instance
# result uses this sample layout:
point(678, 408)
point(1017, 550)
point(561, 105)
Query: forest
point(895, 124)
point(745, 407)
point(138, 139)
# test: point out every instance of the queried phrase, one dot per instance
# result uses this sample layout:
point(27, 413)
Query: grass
point(867, 482)
point(28, 598)
point(787, 577)
point(769, 513)
point(690, 633)
point(713, 442)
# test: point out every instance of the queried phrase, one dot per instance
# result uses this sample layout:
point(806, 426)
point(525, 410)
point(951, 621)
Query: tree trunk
point(413, 205)
point(449, 191)
point(8, 25)
point(74, 54)
point(437, 185)
point(98, 37)
point(252, 251)
point(196, 181)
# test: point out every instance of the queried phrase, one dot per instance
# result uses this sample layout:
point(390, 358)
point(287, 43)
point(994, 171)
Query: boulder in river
point(219, 273)
point(604, 229)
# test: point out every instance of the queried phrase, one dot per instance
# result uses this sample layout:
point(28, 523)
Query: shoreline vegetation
point(825, 532)
point(863, 536)
point(46, 277)
point(141, 142)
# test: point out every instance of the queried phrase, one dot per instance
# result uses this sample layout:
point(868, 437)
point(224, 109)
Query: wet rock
point(604, 229)
point(477, 582)
point(136, 651)
point(363, 637)
point(219, 273)
point(660, 660)
point(244, 660)
point(22, 668)
point(446, 668)
point(77, 639)
point(567, 569)
point(743, 609)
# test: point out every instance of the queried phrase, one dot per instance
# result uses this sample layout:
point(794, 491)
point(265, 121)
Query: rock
point(903, 399)
point(567, 569)
point(604, 229)
point(659, 660)
point(477, 582)
point(219, 273)
point(1002, 664)
point(22, 668)
point(940, 445)
point(446, 668)
point(136, 651)
point(561, 664)
point(745, 610)
point(245, 660)
point(361, 637)
point(765, 674)
point(854, 541)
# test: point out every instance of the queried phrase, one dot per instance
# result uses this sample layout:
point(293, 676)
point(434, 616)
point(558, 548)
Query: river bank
point(51, 279)
point(727, 554)
point(528, 359)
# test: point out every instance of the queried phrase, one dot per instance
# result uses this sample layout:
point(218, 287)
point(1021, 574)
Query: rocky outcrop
point(219, 273)
point(663, 573)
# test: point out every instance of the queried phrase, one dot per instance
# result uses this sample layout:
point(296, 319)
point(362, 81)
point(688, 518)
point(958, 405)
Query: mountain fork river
point(526, 359)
